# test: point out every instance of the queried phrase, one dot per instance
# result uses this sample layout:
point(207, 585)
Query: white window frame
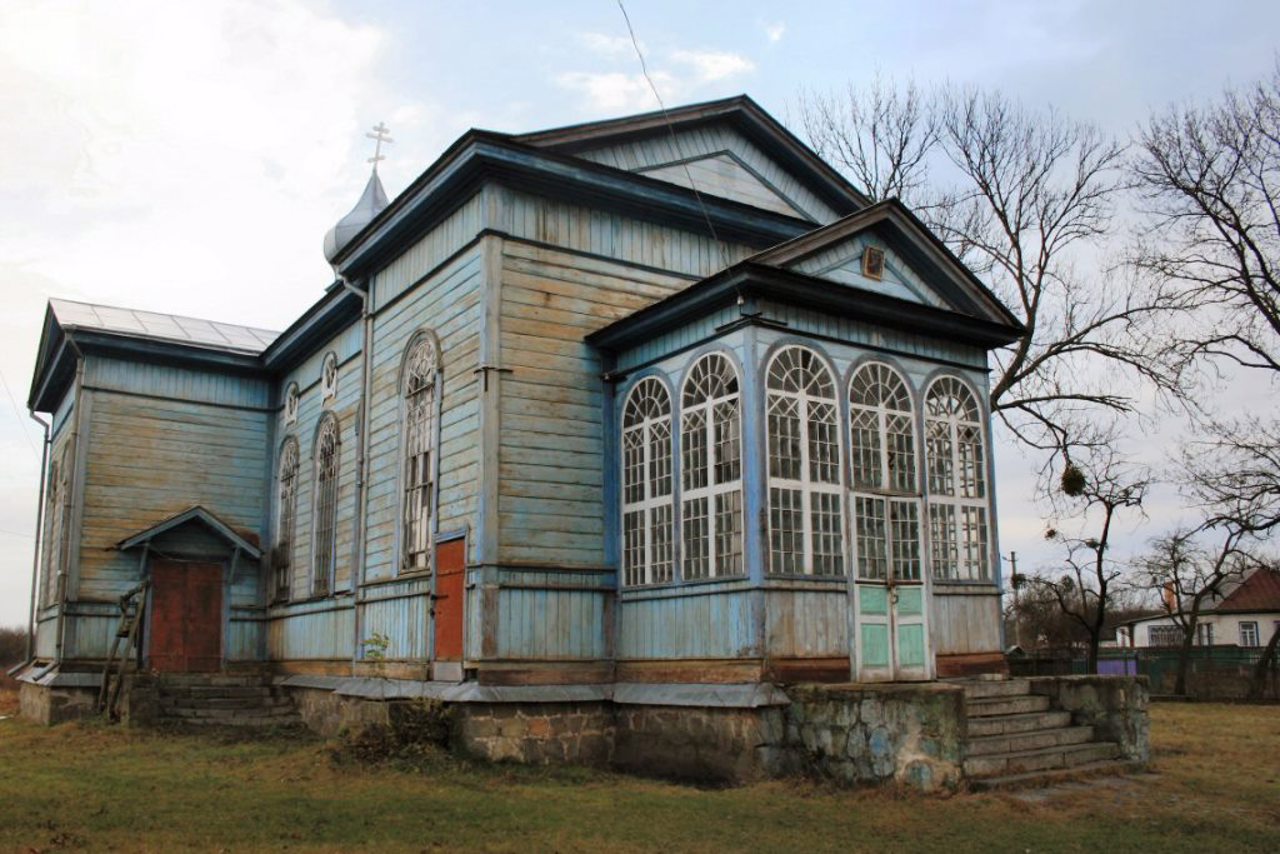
point(324, 555)
point(291, 402)
point(648, 551)
point(329, 375)
point(712, 385)
point(894, 544)
point(288, 475)
point(1251, 630)
point(959, 523)
point(811, 490)
point(419, 464)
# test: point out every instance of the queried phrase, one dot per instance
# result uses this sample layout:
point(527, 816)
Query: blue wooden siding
point(551, 445)
point(150, 459)
point(704, 620)
point(398, 610)
point(726, 176)
point(804, 622)
point(317, 630)
point(547, 615)
point(448, 304)
point(455, 232)
point(627, 240)
point(176, 383)
point(659, 150)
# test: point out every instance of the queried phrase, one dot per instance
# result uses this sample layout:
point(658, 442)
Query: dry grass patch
point(91, 786)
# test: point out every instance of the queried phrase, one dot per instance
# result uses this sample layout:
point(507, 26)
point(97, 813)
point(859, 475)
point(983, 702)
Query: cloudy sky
point(188, 157)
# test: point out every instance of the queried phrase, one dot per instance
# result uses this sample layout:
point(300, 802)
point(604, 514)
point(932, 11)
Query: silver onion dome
point(372, 201)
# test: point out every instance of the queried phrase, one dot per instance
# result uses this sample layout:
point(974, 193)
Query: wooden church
point(657, 404)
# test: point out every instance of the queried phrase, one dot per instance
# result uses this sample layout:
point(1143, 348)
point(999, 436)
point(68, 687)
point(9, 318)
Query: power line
point(644, 69)
point(17, 413)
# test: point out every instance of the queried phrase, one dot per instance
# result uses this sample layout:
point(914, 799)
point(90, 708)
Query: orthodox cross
point(379, 135)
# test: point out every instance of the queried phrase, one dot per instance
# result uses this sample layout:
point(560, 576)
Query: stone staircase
point(1017, 739)
point(216, 699)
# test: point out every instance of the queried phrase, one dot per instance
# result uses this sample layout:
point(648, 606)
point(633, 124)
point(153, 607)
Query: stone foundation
point(1115, 706)
point(537, 733)
point(698, 743)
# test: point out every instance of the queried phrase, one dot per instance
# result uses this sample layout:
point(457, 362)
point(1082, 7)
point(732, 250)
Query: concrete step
point(220, 680)
point(217, 693)
point(981, 689)
point(1009, 724)
point(226, 715)
point(1007, 705)
point(225, 703)
point(1043, 759)
point(263, 722)
point(1032, 740)
point(1036, 779)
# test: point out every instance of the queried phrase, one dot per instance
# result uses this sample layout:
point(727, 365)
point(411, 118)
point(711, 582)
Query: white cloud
point(175, 156)
point(713, 65)
point(614, 47)
point(774, 31)
point(679, 75)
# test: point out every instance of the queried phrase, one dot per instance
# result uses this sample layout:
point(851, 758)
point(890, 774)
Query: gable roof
point(195, 515)
point(1259, 592)
point(161, 327)
point(973, 315)
point(741, 112)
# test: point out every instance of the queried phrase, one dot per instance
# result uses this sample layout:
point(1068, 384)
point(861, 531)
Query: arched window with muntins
point(286, 517)
point(419, 387)
point(958, 502)
point(886, 504)
point(647, 516)
point(325, 505)
point(806, 527)
point(711, 470)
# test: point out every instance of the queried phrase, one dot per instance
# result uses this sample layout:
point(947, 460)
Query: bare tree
point(1190, 576)
point(1211, 181)
point(1102, 487)
point(1025, 199)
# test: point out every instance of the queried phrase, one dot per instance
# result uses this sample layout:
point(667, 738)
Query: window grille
point(711, 467)
point(958, 504)
point(419, 389)
point(1164, 636)
point(806, 531)
point(647, 513)
point(883, 468)
point(1249, 634)
point(282, 558)
point(326, 505)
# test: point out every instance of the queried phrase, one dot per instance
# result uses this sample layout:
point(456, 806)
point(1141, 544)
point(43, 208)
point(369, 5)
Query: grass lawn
point(96, 787)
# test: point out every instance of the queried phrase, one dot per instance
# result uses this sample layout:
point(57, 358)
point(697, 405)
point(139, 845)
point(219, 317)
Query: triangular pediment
point(732, 149)
point(917, 266)
point(727, 176)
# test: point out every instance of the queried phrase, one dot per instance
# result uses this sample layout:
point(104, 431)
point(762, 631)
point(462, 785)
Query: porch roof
point(195, 515)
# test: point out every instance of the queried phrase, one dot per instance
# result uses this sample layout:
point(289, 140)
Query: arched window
point(958, 502)
point(805, 517)
point(58, 491)
point(647, 553)
point(886, 509)
point(325, 505)
point(711, 469)
point(286, 517)
point(418, 385)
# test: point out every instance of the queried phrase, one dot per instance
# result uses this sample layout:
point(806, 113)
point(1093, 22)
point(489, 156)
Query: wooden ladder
point(133, 606)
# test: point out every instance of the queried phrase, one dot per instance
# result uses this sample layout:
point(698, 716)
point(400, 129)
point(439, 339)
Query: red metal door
point(186, 617)
point(451, 567)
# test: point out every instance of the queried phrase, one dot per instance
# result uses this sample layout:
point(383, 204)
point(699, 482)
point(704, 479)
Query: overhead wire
point(675, 142)
point(17, 413)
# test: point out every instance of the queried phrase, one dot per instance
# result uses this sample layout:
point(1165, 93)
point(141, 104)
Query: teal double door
point(891, 638)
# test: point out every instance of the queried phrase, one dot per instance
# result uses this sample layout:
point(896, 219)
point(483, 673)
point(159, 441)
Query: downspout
point(358, 547)
point(35, 558)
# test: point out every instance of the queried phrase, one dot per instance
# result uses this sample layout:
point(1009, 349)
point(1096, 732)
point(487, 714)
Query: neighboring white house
point(1246, 617)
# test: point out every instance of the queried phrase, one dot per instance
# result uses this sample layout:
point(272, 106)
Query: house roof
point(740, 111)
point(975, 314)
point(195, 515)
point(1259, 592)
point(161, 327)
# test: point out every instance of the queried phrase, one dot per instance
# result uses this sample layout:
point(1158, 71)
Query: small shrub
point(416, 732)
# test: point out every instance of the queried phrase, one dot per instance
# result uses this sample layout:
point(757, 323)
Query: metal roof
point(162, 327)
